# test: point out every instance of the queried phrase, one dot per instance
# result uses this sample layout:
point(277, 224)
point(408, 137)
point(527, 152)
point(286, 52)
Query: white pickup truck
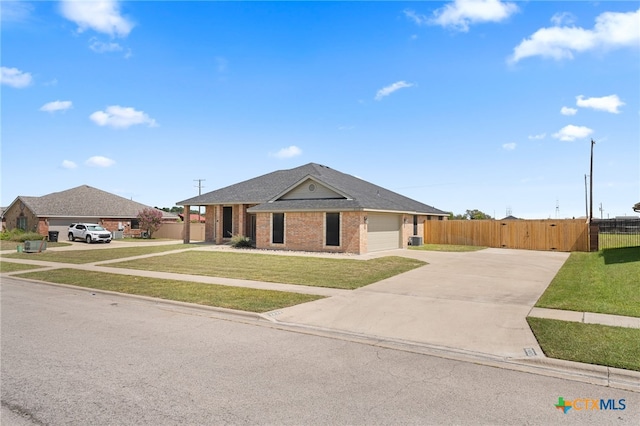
point(89, 232)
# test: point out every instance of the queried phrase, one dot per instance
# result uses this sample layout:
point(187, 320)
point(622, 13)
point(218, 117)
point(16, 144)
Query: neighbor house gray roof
point(263, 190)
point(85, 201)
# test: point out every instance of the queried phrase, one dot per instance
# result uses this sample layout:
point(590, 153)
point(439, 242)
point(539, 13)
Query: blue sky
point(461, 105)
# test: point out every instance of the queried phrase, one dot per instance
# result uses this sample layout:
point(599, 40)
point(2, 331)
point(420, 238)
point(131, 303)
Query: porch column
point(187, 225)
point(241, 220)
point(218, 224)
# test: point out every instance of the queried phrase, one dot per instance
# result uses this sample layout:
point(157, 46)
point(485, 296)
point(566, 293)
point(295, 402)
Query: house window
point(332, 229)
point(277, 234)
point(415, 224)
point(21, 223)
point(135, 224)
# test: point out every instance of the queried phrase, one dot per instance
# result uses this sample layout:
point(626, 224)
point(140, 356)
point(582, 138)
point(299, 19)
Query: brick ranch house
point(56, 211)
point(312, 208)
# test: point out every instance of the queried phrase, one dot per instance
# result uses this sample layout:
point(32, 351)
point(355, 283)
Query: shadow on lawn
point(621, 255)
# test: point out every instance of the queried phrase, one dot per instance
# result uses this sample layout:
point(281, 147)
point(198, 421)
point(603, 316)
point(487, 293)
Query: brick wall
point(305, 231)
point(12, 214)
point(112, 225)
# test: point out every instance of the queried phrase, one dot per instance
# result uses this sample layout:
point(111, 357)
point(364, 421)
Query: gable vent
point(312, 187)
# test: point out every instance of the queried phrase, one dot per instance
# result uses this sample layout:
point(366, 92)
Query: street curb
point(597, 374)
point(581, 372)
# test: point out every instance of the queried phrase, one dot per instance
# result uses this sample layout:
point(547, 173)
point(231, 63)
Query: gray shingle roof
point(261, 190)
point(85, 201)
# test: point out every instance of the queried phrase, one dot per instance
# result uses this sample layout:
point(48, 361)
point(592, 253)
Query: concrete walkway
point(472, 302)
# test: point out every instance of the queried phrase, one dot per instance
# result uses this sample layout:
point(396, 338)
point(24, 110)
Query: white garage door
point(383, 232)
point(62, 225)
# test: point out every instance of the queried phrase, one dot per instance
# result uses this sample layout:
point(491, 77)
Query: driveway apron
point(474, 302)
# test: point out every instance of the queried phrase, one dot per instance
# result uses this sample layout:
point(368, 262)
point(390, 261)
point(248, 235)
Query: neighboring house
point(312, 208)
point(56, 211)
point(510, 217)
point(193, 217)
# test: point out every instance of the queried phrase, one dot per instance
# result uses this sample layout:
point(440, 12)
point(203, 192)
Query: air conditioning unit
point(415, 240)
point(34, 246)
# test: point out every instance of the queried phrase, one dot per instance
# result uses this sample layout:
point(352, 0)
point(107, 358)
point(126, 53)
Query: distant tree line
point(176, 210)
point(474, 214)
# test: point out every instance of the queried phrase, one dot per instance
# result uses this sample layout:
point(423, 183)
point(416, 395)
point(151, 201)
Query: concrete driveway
point(472, 302)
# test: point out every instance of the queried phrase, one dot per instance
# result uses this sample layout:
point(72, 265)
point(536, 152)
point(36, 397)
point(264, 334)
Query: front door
point(227, 222)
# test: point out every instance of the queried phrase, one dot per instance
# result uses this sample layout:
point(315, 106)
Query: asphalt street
point(75, 357)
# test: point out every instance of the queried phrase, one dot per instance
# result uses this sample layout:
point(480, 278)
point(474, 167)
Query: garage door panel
point(62, 225)
point(383, 232)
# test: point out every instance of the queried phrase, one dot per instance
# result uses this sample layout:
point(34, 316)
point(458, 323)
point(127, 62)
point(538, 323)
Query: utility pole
point(200, 186)
point(601, 210)
point(586, 198)
point(591, 184)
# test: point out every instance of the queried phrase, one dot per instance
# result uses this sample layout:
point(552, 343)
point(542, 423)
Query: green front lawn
point(245, 299)
point(12, 267)
point(303, 270)
point(95, 255)
point(603, 282)
point(589, 343)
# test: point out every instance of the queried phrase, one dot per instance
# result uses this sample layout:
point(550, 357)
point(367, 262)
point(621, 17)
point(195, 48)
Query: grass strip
point(240, 298)
point(95, 255)
point(589, 343)
point(302, 270)
point(602, 282)
point(447, 247)
point(12, 267)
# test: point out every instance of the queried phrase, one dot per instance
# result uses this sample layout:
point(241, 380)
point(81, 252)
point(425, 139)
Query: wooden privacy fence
point(175, 231)
point(556, 235)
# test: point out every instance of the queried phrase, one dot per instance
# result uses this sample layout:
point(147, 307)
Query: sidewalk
point(586, 317)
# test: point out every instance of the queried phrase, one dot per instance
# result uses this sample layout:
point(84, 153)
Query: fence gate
point(555, 235)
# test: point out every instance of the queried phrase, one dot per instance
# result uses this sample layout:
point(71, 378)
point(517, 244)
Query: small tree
point(150, 220)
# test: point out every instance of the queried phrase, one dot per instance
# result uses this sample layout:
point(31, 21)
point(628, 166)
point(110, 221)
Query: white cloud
point(609, 103)
point(14, 77)
point(612, 30)
point(509, 146)
point(102, 47)
point(99, 161)
point(461, 13)
point(563, 18)
point(570, 133)
point(568, 111)
point(416, 18)
point(289, 152)
point(121, 117)
point(15, 11)
point(537, 137)
point(102, 16)
point(68, 164)
point(56, 106)
point(386, 91)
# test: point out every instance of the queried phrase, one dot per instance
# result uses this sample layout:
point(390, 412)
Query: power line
point(199, 186)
